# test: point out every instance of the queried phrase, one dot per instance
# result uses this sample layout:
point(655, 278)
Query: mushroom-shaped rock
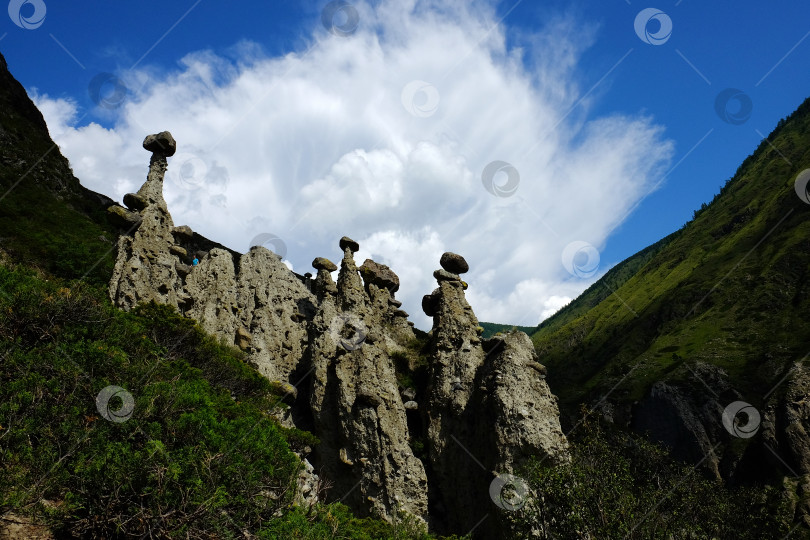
point(322, 263)
point(430, 303)
point(379, 275)
point(347, 242)
point(161, 143)
point(135, 202)
point(454, 263)
point(444, 275)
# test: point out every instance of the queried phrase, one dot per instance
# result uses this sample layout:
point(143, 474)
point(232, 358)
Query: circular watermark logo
point(107, 91)
point(105, 408)
point(188, 171)
point(420, 98)
point(741, 419)
point(28, 14)
point(340, 18)
point(508, 492)
point(502, 188)
point(581, 259)
point(733, 106)
point(801, 186)
point(348, 330)
point(271, 242)
point(653, 26)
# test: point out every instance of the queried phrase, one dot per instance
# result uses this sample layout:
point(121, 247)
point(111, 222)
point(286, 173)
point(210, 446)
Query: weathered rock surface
point(486, 412)
point(331, 348)
point(161, 143)
point(379, 275)
point(260, 297)
point(359, 414)
point(322, 263)
point(454, 263)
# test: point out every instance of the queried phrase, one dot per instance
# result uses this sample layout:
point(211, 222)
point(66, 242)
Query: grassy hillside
point(198, 456)
point(490, 329)
point(729, 289)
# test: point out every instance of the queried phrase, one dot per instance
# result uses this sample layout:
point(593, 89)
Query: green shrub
point(201, 455)
point(622, 486)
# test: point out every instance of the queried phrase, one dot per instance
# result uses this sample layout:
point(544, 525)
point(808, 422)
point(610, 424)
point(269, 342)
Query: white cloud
point(317, 144)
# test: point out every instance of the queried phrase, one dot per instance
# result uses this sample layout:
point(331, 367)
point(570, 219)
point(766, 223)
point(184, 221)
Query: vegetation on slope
point(199, 457)
point(729, 289)
point(641, 493)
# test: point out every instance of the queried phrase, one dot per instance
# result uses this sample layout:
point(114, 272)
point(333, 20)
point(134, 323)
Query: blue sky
point(569, 93)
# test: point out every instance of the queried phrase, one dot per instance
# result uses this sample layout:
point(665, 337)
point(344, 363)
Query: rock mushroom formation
point(332, 347)
point(488, 408)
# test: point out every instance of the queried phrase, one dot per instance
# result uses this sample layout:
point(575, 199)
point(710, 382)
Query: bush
point(622, 486)
point(199, 456)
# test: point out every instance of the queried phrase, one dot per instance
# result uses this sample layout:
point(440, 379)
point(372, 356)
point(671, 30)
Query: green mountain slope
point(728, 289)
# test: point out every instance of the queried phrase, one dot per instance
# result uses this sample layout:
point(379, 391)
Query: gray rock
point(134, 202)
point(454, 263)
point(121, 217)
point(183, 233)
point(161, 143)
point(430, 303)
point(348, 243)
point(322, 263)
point(182, 269)
point(179, 251)
point(409, 394)
point(242, 339)
point(515, 415)
point(411, 405)
point(379, 275)
point(444, 275)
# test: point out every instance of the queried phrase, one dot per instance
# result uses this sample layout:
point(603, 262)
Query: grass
point(713, 291)
point(201, 455)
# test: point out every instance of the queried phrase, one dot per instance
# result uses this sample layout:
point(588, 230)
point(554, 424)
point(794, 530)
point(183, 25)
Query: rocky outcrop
point(255, 302)
point(331, 347)
point(488, 410)
point(359, 414)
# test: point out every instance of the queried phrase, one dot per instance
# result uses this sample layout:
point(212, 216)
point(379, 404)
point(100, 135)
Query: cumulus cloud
point(383, 136)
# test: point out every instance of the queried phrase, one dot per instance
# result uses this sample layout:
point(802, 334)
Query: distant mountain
point(490, 329)
point(716, 312)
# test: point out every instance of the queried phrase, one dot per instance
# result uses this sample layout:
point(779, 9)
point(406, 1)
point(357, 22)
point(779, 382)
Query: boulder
point(161, 143)
point(183, 233)
point(444, 275)
point(454, 263)
point(430, 303)
point(121, 217)
point(347, 242)
point(379, 275)
point(179, 251)
point(322, 263)
point(135, 202)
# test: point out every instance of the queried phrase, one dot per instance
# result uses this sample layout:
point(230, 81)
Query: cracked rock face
point(487, 407)
point(358, 412)
point(487, 412)
point(258, 305)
